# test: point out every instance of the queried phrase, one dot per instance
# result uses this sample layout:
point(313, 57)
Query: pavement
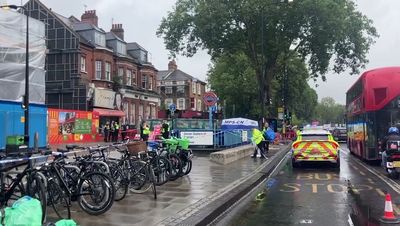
point(194, 199)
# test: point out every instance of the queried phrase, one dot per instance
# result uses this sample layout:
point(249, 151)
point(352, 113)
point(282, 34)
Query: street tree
point(320, 32)
point(232, 76)
point(328, 111)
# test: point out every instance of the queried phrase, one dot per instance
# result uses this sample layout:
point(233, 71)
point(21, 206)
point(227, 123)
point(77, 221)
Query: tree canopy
point(328, 111)
point(319, 32)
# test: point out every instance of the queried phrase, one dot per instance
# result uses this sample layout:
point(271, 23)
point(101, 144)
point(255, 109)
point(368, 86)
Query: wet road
point(316, 194)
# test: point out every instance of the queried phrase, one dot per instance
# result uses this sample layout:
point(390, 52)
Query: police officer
point(116, 131)
point(146, 132)
point(165, 130)
point(393, 135)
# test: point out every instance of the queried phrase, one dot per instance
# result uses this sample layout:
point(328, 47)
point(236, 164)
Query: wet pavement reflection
point(205, 179)
point(317, 194)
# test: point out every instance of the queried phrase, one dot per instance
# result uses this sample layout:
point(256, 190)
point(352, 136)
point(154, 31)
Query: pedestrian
point(146, 132)
point(269, 136)
point(116, 131)
point(112, 132)
point(106, 131)
point(124, 130)
point(257, 138)
point(165, 130)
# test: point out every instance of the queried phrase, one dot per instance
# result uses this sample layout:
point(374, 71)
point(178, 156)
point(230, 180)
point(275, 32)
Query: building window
point(150, 83)
point(198, 89)
point(141, 112)
point(194, 88)
point(192, 103)
point(181, 104)
point(83, 64)
point(126, 111)
point(121, 73)
point(153, 111)
point(199, 105)
point(108, 71)
point(98, 69)
point(168, 90)
point(134, 78)
point(168, 83)
point(168, 102)
point(180, 89)
point(100, 39)
point(121, 48)
point(144, 81)
point(148, 112)
point(180, 83)
point(129, 77)
point(133, 114)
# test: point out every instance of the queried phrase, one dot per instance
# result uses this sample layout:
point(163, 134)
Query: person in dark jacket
point(106, 131)
point(393, 135)
point(165, 130)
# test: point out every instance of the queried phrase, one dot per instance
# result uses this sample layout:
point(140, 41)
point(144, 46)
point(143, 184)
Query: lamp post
point(26, 96)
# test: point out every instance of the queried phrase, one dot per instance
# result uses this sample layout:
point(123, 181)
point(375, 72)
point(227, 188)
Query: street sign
point(172, 107)
point(210, 98)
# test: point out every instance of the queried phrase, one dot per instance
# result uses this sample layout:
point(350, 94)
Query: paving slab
point(184, 195)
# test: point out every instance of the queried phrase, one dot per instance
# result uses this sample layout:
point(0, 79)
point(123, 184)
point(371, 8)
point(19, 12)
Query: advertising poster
point(68, 126)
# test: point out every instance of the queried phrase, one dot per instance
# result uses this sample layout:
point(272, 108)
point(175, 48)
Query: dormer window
point(121, 48)
point(100, 39)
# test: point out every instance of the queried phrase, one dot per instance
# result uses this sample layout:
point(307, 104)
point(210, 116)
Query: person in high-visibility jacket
point(258, 139)
point(146, 132)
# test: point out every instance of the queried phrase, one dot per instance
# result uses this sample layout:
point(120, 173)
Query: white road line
point(388, 181)
point(362, 173)
point(350, 221)
point(371, 181)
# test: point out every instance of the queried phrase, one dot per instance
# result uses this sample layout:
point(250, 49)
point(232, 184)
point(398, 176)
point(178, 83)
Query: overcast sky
point(141, 18)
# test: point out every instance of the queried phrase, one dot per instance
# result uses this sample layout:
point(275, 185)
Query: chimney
point(172, 65)
point(118, 30)
point(90, 17)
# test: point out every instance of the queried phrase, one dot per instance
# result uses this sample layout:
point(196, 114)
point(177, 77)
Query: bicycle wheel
point(152, 180)
point(37, 190)
point(138, 176)
point(58, 200)
point(187, 167)
point(176, 167)
point(18, 192)
point(121, 182)
point(162, 170)
point(95, 193)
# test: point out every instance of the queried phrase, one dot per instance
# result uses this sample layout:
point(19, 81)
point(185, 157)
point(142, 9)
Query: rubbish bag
point(66, 223)
point(26, 211)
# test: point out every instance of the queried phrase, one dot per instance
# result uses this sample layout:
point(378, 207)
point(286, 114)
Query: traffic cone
point(389, 217)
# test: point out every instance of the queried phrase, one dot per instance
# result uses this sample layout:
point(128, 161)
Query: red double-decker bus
point(373, 105)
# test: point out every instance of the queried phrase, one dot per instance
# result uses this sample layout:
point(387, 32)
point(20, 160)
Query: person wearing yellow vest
point(116, 125)
point(146, 132)
point(258, 140)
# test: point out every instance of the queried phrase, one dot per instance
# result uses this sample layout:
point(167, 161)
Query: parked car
point(340, 134)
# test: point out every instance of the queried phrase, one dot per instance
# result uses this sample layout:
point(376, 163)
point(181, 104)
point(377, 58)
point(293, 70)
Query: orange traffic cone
point(389, 217)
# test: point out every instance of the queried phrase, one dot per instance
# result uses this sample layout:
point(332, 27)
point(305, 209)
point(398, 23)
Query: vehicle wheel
point(176, 167)
point(58, 199)
point(121, 182)
point(95, 193)
point(187, 167)
point(393, 174)
point(337, 164)
point(295, 164)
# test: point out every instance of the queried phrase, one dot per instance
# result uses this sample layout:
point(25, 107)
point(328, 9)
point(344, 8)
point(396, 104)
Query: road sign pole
point(210, 117)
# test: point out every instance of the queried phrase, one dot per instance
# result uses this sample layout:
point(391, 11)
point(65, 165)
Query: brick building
point(93, 70)
point(180, 88)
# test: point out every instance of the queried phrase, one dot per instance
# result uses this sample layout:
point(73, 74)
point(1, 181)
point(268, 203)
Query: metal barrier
point(231, 138)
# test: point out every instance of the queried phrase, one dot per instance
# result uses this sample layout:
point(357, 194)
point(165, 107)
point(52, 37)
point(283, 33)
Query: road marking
point(350, 221)
point(388, 181)
point(380, 192)
point(371, 181)
point(306, 221)
point(362, 173)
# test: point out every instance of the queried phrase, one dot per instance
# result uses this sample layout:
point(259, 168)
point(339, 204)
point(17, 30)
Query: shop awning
point(107, 112)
